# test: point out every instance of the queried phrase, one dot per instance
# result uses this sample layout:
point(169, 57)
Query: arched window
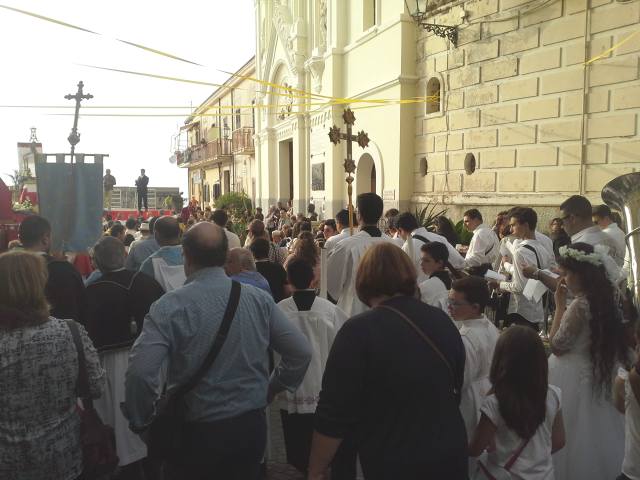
point(433, 95)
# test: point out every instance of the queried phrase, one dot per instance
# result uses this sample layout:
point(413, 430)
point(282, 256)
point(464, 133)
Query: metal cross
point(74, 136)
point(335, 135)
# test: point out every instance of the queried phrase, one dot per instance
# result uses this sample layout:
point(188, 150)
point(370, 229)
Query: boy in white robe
point(319, 320)
point(468, 298)
point(342, 264)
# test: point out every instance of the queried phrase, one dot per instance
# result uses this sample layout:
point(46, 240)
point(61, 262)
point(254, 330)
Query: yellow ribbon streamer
point(612, 49)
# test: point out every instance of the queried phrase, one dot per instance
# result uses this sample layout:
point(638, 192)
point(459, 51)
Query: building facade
point(539, 100)
point(333, 49)
point(219, 154)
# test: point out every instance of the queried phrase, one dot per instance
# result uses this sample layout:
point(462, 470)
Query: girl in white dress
point(434, 260)
point(521, 420)
point(587, 342)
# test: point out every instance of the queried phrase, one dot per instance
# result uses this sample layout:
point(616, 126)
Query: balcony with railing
point(243, 141)
point(214, 151)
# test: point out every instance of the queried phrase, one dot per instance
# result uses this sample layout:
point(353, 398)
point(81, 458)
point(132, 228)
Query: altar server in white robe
point(342, 225)
point(344, 260)
point(484, 246)
point(434, 290)
point(319, 320)
point(415, 236)
point(468, 298)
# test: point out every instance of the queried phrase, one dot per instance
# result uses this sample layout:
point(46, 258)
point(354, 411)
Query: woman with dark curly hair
point(305, 247)
point(444, 227)
point(587, 342)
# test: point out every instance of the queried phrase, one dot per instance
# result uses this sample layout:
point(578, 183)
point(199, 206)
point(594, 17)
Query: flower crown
point(594, 258)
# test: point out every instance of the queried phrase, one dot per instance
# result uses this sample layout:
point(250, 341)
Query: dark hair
point(392, 212)
point(131, 223)
point(206, 253)
point(256, 228)
point(520, 378)
point(167, 229)
point(556, 220)
point(525, 215)
point(117, 229)
point(305, 227)
point(445, 228)
point(578, 206)
point(331, 223)
point(607, 332)
point(299, 273)
point(436, 250)
point(602, 211)
point(378, 264)
point(311, 208)
point(305, 247)
point(475, 290)
point(220, 217)
point(260, 248)
point(32, 229)
point(406, 221)
point(342, 217)
point(473, 213)
point(128, 239)
point(370, 207)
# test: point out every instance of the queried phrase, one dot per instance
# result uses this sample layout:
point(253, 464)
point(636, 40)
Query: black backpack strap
point(221, 336)
point(529, 247)
point(422, 239)
point(82, 385)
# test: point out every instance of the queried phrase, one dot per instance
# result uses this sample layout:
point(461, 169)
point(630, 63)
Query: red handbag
point(98, 440)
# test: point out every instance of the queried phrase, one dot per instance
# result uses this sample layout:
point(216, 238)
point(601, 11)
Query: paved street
point(277, 466)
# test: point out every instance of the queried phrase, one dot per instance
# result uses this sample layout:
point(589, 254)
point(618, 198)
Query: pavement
point(277, 467)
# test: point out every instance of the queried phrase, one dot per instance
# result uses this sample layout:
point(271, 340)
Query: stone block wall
point(516, 93)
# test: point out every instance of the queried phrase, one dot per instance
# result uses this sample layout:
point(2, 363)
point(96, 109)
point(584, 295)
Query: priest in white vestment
point(415, 236)
point(342, 225)
point(342, 264)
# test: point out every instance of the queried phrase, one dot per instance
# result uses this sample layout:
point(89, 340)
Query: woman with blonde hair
point(392, 380)
point(39, 422)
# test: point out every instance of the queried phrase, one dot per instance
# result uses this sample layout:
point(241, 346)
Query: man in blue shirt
point(241, 267)
point(162, 264)
point(225, 432)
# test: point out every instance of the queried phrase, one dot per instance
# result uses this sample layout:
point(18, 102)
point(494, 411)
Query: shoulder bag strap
point(422, 239)
point(529, 247)
point(82, 385)
point(516, 455)
point(221, 336)
point(428, 340)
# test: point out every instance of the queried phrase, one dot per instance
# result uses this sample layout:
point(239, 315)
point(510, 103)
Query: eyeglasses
point(453, 304)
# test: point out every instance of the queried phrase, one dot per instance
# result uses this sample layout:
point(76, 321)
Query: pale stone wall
point(518, 95)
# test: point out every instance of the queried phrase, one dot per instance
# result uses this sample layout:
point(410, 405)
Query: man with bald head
point(166, 264)
point(225, 430)
point(241, 267)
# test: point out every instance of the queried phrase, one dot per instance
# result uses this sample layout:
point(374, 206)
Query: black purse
point(99, 457)
point(166, 431)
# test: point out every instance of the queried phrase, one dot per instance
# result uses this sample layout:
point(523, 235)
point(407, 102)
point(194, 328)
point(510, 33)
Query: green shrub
point(236, 204)
point(426, 215)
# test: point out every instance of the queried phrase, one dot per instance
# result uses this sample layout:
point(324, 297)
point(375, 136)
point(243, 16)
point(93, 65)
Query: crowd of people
point(515, 356)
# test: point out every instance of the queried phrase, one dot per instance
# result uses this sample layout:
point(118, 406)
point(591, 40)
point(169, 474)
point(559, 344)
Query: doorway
point(366, 175)
point(285, 170)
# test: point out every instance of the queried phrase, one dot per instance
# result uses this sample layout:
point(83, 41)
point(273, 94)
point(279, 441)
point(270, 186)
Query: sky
point(42, 62)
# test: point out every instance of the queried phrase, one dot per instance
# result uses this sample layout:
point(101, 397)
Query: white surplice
point(413, 245)
point(320, 325)
point(333, 241)
point(479, 337)
point(433, 292)
point(342, 266)
point(518, 303)
point(484, 247)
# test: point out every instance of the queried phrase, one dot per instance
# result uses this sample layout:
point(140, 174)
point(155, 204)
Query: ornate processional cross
point(74, 136)
point(335, 135)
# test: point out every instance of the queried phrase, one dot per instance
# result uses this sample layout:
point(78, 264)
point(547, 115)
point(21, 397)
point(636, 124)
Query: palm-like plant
point(428, 214)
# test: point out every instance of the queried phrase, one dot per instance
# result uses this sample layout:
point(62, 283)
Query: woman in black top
point(385, 386)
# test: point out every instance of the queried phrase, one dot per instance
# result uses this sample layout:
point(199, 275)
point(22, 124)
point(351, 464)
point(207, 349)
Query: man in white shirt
point(415, 236)
point(342, 264)
point(528, 251)
point(575, 213)
point(484, 247)
point(602, 218)
point(468, 298)
point(220, 218)
point(342, 226)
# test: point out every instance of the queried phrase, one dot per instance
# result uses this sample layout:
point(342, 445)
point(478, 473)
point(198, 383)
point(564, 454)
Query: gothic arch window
point(434, 97)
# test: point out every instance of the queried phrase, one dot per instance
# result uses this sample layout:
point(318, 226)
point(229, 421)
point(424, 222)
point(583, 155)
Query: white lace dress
point(594, 428)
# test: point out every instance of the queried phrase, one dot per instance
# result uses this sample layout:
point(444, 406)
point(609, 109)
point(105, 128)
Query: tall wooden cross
point(335, 135)
point(74, 136)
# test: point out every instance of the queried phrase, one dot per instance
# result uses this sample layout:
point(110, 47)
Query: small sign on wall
point(389, 194)
point(317, 176)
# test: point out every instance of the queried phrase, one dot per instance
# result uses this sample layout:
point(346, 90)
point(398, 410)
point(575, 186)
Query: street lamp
point(419, 9)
